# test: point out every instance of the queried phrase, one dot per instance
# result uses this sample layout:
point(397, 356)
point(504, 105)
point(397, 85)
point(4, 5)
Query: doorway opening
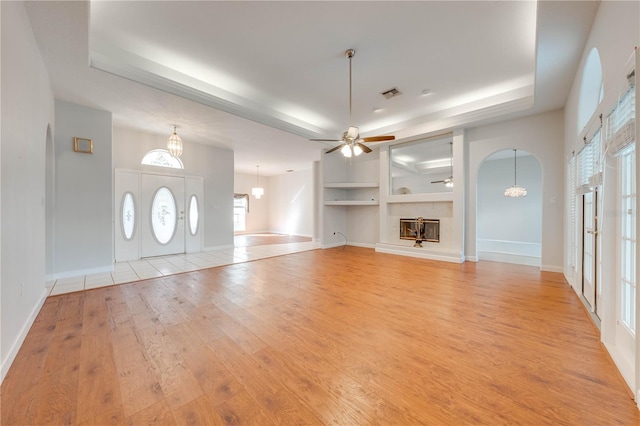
point(509, 229)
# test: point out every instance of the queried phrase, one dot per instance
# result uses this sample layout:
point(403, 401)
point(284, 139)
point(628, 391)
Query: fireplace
point(430, 230)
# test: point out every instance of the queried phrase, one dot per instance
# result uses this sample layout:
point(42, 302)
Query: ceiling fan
point(448, 182)
point(352, 144)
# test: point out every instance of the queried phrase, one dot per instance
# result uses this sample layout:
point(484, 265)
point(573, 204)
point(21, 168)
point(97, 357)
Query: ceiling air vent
point(391, 93)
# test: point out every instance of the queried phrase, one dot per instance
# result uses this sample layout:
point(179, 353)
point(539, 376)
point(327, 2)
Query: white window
point(162, 158)
point(193, 215)
point(627, 197)
point(128, 216)
point(163, 215)
point(240, 210)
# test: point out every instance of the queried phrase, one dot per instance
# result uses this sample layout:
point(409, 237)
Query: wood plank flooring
point(343, 336)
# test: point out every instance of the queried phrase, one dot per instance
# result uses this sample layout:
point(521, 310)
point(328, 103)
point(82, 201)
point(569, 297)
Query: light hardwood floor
point(340, 336)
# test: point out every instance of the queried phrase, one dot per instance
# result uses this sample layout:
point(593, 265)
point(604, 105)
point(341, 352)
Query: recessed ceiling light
point(426, 92)
point(376, 109)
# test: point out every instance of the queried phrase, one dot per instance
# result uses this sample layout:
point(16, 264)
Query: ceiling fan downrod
point(350, 53)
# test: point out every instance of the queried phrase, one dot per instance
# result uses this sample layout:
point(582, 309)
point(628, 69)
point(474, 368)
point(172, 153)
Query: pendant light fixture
point(515, 190)
point(258, 191)
point(174, 144)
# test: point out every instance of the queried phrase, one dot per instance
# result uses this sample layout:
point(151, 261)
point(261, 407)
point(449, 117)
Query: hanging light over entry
point(515, 190)
point(174, 144)
point(258, 191)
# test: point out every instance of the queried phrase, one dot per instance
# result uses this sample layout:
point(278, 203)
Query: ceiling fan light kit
point(352, 144)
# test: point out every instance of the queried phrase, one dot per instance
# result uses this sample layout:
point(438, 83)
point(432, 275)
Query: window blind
point(621, 121)
point(589, 166)
point(573, 247)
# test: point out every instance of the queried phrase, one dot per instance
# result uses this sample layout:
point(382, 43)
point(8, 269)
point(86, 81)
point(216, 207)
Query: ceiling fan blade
point(378, 138)
point(326, 140)
point(437, 181)
point(364, 148)
point(352, 132)
point(335, 148)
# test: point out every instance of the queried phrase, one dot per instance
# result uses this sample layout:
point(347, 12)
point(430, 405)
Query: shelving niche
point(350, 197)
point(351, 194)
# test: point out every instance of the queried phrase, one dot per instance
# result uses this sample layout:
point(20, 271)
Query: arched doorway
point(509, 229)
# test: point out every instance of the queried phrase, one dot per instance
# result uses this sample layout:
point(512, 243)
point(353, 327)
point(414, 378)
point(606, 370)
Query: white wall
point(83, 192)
point(27, 110)
point(257, 220)
point(505, 218)
point(540, 135)
point(291, 197)
point(615, 33)
point(215, 165)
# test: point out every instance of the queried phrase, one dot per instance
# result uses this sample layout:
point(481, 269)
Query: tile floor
point(135, 270)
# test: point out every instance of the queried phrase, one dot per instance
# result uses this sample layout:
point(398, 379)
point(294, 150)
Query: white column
point(459, 184)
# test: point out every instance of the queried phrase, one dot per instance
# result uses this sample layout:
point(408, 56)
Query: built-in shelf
point(351, 185)
point(351, 203)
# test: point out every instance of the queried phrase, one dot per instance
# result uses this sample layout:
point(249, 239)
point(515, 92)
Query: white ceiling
point(262, 77)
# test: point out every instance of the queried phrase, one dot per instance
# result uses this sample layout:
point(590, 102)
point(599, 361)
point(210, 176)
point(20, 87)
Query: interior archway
point(509, 229)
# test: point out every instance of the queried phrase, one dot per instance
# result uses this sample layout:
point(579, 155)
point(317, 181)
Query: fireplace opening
point(430, 229)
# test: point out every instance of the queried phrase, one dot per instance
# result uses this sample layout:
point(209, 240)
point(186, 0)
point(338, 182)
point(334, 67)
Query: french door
point(590, 249)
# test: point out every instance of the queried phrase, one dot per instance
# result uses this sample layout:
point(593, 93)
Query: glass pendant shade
point(258, 191)
point(351, 150)
point(515, 190)
point(174, 144)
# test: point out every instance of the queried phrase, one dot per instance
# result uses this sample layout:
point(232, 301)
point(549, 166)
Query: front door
point(162, 215)
point(589, 248)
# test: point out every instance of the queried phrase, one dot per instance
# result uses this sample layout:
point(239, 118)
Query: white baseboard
point(552, 268)
point(509, 258)
point(217, 247)
point(15, 347)
point(471, 258)
point(80, 272)
point(341, 244)
point(332, 245)
point(365, 245)
point(518, 248)
point(622, 364)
